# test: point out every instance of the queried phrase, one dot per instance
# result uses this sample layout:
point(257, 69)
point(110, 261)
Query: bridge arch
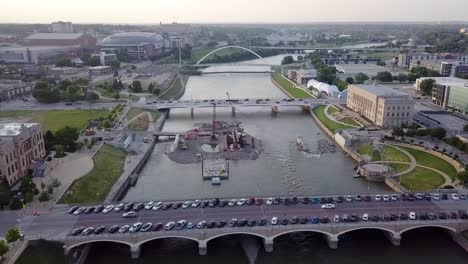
point(389, 231)
point(163, 237)
point(429, 225)
point(235, 233)
point(302, 230)
point(228, 47)
point(68, 248)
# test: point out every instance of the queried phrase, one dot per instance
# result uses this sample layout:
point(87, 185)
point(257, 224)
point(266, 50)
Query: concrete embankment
point(130, 176)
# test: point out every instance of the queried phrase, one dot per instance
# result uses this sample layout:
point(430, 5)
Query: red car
point(258, 201)
point(250, 201)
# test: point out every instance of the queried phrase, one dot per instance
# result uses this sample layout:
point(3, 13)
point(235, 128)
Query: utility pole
point(213, 136)
point(180, 55)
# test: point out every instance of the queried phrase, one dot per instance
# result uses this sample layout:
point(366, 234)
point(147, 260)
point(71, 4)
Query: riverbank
point(289, 88)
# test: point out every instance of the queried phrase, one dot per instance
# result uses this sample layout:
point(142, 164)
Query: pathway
point(333, 119)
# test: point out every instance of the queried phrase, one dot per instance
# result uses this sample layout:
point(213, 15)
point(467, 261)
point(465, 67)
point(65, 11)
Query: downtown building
point(21, 147)
point(381, 105)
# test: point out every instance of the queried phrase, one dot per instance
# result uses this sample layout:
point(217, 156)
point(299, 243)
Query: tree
point(384, 76)
point(438, 132)
point(412, 77)
point(13, 235)
point(381, 63)
point(49, 140)
point(465, 128)
point(5, 197)
point(44, 196)
point(402, 77)
point(27, 185)
point(116, 95)
point(350, 80)
point(136, 87)
point(15, 203)
point(156, 91)
point(115, 65)
point(4, 248)
point(92, 96)
point(150, 87)
point(64, 62)
point(426, 86)
point(94, 61)
point(116, 74)
point(424, 72)
point(287, 60)
point(115, 85)
point(67, 137)
point(361, 78)
point(462, 177)
point(44, 94)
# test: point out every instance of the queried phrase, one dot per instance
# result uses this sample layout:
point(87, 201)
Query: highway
point(60, 222)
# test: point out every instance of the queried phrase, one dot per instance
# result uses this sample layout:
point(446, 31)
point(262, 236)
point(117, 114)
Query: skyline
point(233, 11)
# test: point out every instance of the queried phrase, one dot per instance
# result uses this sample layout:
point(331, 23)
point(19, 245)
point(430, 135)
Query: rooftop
point(54, 36)
point(380, 90)
point(37, 48)
point(13, 129)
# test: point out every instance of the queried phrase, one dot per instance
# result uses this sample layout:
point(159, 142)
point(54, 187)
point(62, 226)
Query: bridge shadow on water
point(424, 245)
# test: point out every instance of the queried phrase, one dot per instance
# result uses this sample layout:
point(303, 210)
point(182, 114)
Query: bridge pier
point(268, 244)
point(202, 248)
point(191, 112)
point(274, 108)
point(395, 239)
point(332, 241)
point(135, 252)
point(233, 110)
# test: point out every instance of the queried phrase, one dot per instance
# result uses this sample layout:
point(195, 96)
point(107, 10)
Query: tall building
point(21, 145)
point(62, 27)
point(383, 106)
point(451, 95)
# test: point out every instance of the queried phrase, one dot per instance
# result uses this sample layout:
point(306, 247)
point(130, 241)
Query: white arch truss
point(228, 47)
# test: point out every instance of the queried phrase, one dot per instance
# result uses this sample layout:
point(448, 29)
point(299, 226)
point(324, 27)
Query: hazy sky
point(154, 11)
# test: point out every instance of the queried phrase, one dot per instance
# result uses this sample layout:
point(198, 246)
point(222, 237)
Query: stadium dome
point(132, 38)
point(330, 90)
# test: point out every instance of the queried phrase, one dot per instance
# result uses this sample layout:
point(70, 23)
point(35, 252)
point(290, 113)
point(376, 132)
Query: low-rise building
point(84, 40)
point(69, 73)
point(100, 70)
point(38, 55)
point(10, 89)
point(21, 145)
point(417, 84)
point(304, 76)
point(381, 105)
point(457, 98)
point(62, 27)
point(351, 70)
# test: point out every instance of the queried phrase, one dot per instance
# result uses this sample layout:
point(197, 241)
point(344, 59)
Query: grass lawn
point(398, 167)
point(136, 111)
point(56, 119)
point(332, 110)
point(94, 187)
point(421, 179)
point(330, 124)
point(173, 91)
point(43, 253)
point(142, 122)
point(429, 160)
point(290, 87)
point(391, 154)
point(350, 121)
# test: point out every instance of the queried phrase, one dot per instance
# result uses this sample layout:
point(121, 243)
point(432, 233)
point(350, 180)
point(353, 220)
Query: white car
point(269, 201)
point(157, 206)
point(349, 198)
point(455, 196)
point(436, 196)
point(119, 207)
point(201, 224)
point(386, 198)
point(378, 198)
point(196, 203)
point(336, 219)
point(274, 220)
point(169, 226)
point(365, 217)
point(108, 209)
point(123, 229)
point(130, 214)
point(135, 227)
point(241, 202)
point(149, 205)
point(412, 215)
point(186, 204)
point(328, 206)
point(395, 197)
point(232, 202)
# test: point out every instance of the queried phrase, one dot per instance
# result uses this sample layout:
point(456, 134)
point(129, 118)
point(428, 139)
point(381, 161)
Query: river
point(280, 170)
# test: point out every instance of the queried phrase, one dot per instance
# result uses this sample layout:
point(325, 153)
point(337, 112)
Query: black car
point(358, 198)
point(73, 209)
point(463, 214)
point(262, 222)
point(242, 222)
point(204, 204)
point(431, 216)
point(323, 200)
point(353, 218)
point(393, 217)
point(128, 206)
point(138, 206)
point(277, 201)
point(305, 200)
point(423, 216)
point(284, 221)
point(404, 197)
point(76, 231)
point(442, 215)
point(403, 216)
point(385, 218)
point(375, 218)
point(339, 199)
point(223, 203)
point(211, 224)
point(324, 220)
point(158, 226)
point(89, 210)
point(99, 208)
point(176, 205)
point(294, 220)
point(221, 224)
point(166, 206)
point(99, 230)
point(427, 197)
point(286, 201)
point(304, 220)
point(113, 229)
point(251, 222)
point(294, 200)
point(444, 196)
point(330, 200)
point(233, 223)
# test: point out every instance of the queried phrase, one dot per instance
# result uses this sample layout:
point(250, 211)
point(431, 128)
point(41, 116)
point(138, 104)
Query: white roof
point(13, 129)
point(53, 36)
point(331, 90)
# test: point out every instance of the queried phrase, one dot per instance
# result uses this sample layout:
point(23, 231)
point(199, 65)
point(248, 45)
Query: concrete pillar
point(395, 239)
point(233, 110)
point(135, 252)
point(202, 248)
point(274, 108)
point(332, 241)
point(191, 112)
point(268, 244)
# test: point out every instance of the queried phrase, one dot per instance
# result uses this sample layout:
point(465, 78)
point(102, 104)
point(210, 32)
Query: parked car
point(113, 229)
point(128, 206)
point(138, 206)
point(365, 217)
point(149, 205)
point(99, 209)
point(135, 227)
point(412, 215)
point(99, 230)
point(169, 226)
point(130, 214)
point(77, 231)
point(157, 227)
point(455, 196)
point(274, 220)
point(196, 203)
point(328, 206)
point(157, 206)
point(119, 207)
point(108, 209)
point(181, 224)
point(87, 231)
point(146, 227)
point(124, 229)
point(79, 210)
point(89, 210)
point(233, 222)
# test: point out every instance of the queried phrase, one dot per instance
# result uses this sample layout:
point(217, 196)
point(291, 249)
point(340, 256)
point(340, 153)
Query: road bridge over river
point(57, 225)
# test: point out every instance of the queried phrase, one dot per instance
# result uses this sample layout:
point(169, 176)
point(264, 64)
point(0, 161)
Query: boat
point(216, 181)
point(356, 175)
point(300, 145)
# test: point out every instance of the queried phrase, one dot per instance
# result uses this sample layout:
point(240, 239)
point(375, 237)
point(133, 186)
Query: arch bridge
point(267, 234)
point(230, 47)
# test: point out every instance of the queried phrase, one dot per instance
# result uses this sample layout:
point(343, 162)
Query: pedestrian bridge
point(331, 233)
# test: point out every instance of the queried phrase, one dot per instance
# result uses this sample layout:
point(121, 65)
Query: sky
point(231, 11)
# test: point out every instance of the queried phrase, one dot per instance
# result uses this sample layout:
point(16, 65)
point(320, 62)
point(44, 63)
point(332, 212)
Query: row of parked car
point(345, 218)
point(259, 201)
